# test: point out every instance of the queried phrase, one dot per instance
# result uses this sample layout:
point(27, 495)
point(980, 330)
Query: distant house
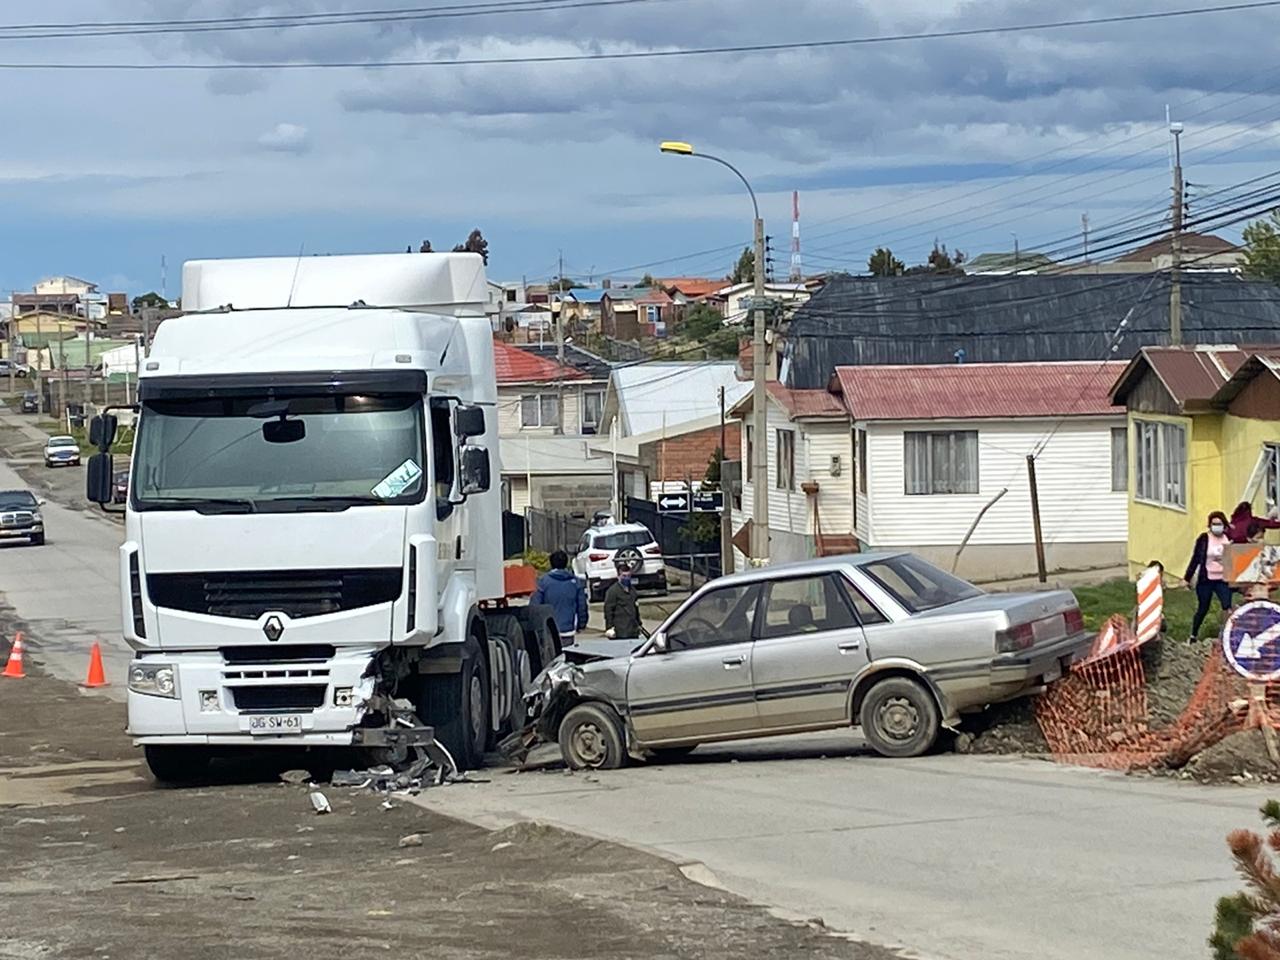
point(635, 313)
point(1205, 428)
point(546, 415)
point(734, 300)
point(580, 308)
point(668, 458)
point(1200, 251)
point(857, 321)
point(908, 458)
point(503, 301)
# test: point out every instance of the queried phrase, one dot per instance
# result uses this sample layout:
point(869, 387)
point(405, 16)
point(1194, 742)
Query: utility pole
point(1035, 518)
point(40, 404)
point(560, 357)
point(62, 362)
point(1175, 287)
point(13, 350)
point(1084, 229)
point(726, 511)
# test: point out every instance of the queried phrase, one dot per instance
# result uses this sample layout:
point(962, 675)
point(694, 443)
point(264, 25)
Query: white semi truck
point(313, 530)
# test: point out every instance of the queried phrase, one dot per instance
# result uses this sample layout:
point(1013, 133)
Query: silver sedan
point(884, 641)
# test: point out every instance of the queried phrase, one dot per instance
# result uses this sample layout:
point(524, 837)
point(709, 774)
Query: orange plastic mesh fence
point(1098, 715)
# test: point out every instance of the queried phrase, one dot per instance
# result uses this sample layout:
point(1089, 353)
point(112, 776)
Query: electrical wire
point(678, 52)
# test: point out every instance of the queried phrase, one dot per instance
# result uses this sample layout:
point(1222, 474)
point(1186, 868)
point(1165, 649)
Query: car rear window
point(917, 584)
point(625, 538)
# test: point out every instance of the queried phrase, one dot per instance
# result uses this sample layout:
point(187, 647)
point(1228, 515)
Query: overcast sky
point(970, 140)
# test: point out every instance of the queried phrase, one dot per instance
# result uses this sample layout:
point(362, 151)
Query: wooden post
point(1035, 518)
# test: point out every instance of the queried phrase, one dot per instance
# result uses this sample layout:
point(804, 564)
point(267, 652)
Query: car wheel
point(900, 718)
point(591, 738)
point(594, 593)
point(37, 539)
point(176, 765)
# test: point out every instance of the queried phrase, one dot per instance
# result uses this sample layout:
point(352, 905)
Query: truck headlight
point(154, 679)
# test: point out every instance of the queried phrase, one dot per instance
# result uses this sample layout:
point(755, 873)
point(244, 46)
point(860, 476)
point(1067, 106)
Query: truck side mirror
point(468, 421)
point(474, 472)
point(100, 478)
point(102, 431)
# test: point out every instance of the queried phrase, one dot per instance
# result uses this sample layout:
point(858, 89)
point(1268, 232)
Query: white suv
point(631, 544)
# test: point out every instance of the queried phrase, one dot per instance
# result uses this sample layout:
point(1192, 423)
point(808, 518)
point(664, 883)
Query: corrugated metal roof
point(1192, 375)
point(799, 403)
point(968, 391)
point(650, 395)
point(514, 365)
point(925, 320)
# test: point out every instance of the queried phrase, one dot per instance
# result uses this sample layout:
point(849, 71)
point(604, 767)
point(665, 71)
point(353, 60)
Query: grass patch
point(1097, 603)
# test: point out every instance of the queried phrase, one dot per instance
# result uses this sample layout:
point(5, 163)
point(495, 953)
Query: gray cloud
point(286, 138)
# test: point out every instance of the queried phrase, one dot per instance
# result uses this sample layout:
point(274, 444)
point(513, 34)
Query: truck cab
point(312, 532)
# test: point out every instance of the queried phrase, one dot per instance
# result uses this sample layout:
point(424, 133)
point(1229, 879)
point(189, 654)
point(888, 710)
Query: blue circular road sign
point(1251, 641)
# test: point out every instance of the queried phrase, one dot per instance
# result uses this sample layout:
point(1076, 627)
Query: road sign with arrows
point(674, 503)
point(1251, 641)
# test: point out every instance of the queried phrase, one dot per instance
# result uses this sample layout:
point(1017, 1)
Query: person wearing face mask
point(621, 607)
point(1205, 572)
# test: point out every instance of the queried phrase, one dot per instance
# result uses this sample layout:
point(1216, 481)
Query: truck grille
point(18, 520)
point(296, 593)
point(265, 699)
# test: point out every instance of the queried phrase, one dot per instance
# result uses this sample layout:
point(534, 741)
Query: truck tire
point(899, 718)
point(457, 706)
point(542, 638)
point(591, 738)
point(511, 673)
point(173, 766)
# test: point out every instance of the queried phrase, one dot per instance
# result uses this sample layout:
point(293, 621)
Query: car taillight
point(1074, 620)
point(1015, 638)
point(597, 557)
point(653, 551)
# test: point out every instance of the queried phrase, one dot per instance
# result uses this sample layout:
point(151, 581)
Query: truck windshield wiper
point(299, 504)
point(205, 505)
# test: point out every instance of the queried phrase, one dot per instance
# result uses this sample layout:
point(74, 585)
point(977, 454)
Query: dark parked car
point(30, 402)
point(20, 517)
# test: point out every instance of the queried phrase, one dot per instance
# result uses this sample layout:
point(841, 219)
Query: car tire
point(456, 705)
point(594, 593)
point(37, 540)
point(899, 718)
point(591, 738)
point(174, 766)
point(671, 754)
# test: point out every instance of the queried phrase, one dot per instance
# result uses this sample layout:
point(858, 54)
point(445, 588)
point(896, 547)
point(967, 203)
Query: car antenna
point(293, 284)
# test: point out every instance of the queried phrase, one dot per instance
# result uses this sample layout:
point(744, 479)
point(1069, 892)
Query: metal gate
point(703, 559)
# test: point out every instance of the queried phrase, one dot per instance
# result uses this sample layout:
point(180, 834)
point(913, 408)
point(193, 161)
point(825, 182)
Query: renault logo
point(273, 628)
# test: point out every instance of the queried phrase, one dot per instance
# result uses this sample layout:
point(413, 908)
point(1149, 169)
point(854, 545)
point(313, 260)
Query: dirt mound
point(1240, 758)
point(1001, 729)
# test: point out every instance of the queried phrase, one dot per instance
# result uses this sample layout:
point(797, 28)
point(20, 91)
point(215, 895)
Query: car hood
point(590, 651)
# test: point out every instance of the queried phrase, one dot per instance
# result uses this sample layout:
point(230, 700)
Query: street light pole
point(759, 452)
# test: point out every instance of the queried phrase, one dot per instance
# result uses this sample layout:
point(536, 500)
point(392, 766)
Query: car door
point(810, 646)
point(699, 687)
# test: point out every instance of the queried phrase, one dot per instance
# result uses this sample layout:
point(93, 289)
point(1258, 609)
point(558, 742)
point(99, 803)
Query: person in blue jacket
point(561, 591)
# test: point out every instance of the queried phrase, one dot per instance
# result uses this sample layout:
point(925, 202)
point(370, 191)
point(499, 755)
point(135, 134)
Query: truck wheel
point(508, 674)
point(899, 718)
point(542, 639)
point(591, 738)
point(457, 706)
point(176, 765)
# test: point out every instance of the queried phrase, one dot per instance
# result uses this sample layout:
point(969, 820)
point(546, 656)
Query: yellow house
point(1203, 435)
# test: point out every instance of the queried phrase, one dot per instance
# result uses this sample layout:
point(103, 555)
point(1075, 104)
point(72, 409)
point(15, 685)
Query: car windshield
point(259, 453)
point(17, 500)
point(918, 585)
point(62, 442)
point(624, 538)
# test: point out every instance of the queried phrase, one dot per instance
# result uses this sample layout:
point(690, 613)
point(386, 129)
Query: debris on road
point(296, 777)
point(501, 846)
point(154, 878)
point(412, 840)
point(320, 803)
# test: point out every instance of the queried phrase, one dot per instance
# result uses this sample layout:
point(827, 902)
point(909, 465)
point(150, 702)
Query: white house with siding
point(930, 455)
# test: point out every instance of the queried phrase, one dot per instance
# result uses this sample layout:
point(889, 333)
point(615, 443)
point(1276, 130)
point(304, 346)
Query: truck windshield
point(248, 454)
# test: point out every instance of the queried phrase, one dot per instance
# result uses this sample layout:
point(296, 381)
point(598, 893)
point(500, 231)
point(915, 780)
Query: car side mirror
point(100, 479)
point(473, 470)
point(41, 502)
point(468, 421)
point(660, 643)
point(102, 431)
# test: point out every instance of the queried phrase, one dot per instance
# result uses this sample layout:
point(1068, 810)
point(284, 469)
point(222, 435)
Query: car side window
point(805, 605)
point(867, 612)
point(716, 618)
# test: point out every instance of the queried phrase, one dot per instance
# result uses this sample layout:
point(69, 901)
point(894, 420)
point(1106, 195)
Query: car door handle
point(849, 646)
point(731, 662)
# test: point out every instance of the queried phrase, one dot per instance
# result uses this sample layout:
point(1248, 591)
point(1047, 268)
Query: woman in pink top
point(1205, 571)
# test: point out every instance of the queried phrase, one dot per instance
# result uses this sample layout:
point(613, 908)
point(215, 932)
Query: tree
point(1248, 924)
point(940, 262)
point(564, 283)
point(744, 271)
point(702, 322)
point(1262, 249)
point(150, 299)
point(475, 243)
point(647, 281)
point(705, 527)
point(426, 247)
point(883, 263)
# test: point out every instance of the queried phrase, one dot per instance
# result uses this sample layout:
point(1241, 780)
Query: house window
point(511, 296)
point(653, 313)
point(539, 410)
point(1161, 455)
point(936, 463)
point(1119, 459)
point(786, 479)
point(861, 454)
point(749, 433)
point(592, 411)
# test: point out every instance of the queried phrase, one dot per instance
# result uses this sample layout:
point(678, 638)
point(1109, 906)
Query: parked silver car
point(884, 641)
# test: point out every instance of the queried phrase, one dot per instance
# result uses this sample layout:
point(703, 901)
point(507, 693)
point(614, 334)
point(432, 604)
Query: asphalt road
point(957, 857)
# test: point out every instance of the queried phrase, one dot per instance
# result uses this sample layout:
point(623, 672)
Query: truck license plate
point(276, 723)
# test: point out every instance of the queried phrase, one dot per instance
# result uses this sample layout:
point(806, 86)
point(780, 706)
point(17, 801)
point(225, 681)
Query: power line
point(737, 49)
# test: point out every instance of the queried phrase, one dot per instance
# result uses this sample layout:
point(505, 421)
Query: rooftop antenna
point(293, 284)
point(797, 273)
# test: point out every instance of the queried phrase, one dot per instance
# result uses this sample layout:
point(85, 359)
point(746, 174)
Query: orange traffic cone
point(97, 676)
point(14, 667)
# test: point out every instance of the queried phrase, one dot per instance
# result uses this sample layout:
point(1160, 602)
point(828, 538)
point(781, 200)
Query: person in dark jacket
point(621, 607)
point(1205, 573)
point(560, 590)
point(1244, 526)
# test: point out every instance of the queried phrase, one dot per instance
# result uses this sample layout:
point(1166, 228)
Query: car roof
point(621, 528)
point(9, 493)
point(62, 436)
point(814, 565)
